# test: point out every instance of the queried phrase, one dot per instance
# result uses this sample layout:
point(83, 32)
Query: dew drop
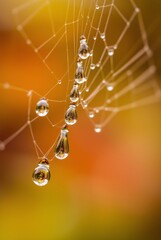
point(41, 174)
point(74, 94)
point(110, 88)
point(102, 36)
point(80, 75)
point(42, 108)
point(59, 82)
point(98, 129)
point(91, 114)
point(110, 52)
point(84, 51)
point(62, 145)
point(71, 115)
point(97, 7)
point(93, 66)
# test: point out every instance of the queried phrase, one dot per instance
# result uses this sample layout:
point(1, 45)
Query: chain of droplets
point(41, 174)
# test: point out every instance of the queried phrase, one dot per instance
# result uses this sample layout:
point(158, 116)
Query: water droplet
point(84, 51)
point(62, 145)
point(42, 108)
point(41, 174)
point(87, 89)
point(98, 64)
point(110, 52)
point(84, 104)
point(80, 75)
point(59, 82)
point(91, 114)
point(98, 129)
point(110, 88)
point(97, 7)
point(102, 36)
point(74, 94)
point(93, 66)
point(94, 38)
point(91, 53)
point(71, 115)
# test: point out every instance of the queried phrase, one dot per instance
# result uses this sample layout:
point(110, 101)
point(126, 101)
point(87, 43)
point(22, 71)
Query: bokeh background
point(108, 188)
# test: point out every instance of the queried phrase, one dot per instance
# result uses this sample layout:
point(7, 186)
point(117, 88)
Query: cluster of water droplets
point(41, 174)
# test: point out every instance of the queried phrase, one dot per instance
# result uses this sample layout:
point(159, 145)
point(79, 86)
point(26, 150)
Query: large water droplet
point(80, 75)
point(62, 145)
point(42, 108)
point(74, 94)
point(84, 51)
point(71, 115)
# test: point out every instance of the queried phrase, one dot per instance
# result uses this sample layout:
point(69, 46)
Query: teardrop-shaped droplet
point(62, 145)
point(42, 108)
point(110, 52)
point(80, 75)
point(41, 174)
point(98, 129)
point(71, 115)
point(91, 114)
point(74, 94)
point(93, 66)
point(84, 51)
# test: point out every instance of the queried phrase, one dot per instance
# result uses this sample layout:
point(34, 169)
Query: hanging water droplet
point(102, 36)
point(87, 89)
point(98, 64)
point(91, 114)
point(74, 94)
point(42, 108)
point(94, 38)
point(71, 115)
point(80, 75)
point(84, 51)
point(110, 52)
point(98, 129)
point(59, 82)
point(62, 145)
point(110, 87)
point(84, 104)
point(91, 53)
point(97, 7)
point(41, 174)
point(93, 66)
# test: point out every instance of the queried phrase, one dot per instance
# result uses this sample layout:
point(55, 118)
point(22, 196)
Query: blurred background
point(109, 187)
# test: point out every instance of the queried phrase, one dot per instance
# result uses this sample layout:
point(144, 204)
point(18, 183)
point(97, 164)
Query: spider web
point(120, 71)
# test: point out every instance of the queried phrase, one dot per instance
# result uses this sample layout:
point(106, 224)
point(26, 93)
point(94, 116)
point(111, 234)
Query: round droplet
point(94, 38)
point(91, 114)
point(87, 89)
point(97, 7)
point(84, 104)
point(71, 115)
point(110, 52)
point(41, 174)
point(98, 64)
point(91, 53)
point(110, 88)
point(102, 36)
point(42, 108)
point(98, 129)
point(59, 82)
point(93, 66)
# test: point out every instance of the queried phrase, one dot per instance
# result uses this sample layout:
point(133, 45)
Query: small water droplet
point(84, 104)
point(97, 7)
point(93, 66)
point(84, 51)
point(42, 108)
point(102, 36)
point(71, 115)
point(110, 87)
point(110, 52)
point(98, 129)
point(59, 82)
point(91, 114)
